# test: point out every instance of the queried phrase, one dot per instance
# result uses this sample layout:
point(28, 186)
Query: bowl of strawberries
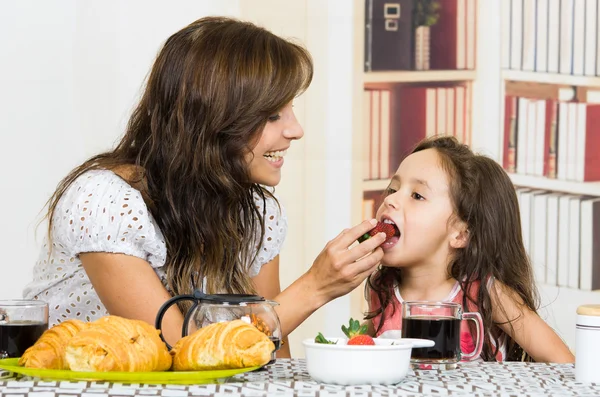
point(358, 358)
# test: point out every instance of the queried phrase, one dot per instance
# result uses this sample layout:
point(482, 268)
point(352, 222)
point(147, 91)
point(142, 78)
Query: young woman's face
point(419, 205)
point(267, 157)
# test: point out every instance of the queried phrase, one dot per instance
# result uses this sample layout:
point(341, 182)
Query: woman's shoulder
point(101, 212)
point(275, 229)
point(97, 181)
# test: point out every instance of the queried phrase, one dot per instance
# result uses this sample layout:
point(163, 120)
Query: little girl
point(459, 239)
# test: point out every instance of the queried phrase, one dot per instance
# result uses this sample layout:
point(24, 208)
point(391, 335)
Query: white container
point(385, 363)
point(587, 344)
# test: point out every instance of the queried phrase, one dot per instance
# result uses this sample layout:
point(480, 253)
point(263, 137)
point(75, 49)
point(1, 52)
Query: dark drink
point(17, 336)
point(444, 331)
point(277, 343)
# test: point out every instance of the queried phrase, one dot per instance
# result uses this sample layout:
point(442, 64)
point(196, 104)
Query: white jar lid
point(589, 310)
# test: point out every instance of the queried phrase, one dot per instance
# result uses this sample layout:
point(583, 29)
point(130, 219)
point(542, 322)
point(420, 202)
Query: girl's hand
point(339, 269)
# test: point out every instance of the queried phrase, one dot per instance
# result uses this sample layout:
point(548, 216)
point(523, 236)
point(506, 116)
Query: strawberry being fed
point(387, 228)
point(357, 334)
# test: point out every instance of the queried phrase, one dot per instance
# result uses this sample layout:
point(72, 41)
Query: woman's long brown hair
point(210, 92)
point(484, 198)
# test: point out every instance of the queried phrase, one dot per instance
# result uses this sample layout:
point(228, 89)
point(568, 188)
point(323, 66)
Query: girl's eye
point(274, 117)
point(417, 196)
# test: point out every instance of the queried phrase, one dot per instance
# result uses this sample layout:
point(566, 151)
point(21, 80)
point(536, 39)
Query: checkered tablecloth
point(289, 378)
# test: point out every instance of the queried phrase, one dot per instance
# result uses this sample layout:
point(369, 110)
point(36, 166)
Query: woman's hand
point(339, 269)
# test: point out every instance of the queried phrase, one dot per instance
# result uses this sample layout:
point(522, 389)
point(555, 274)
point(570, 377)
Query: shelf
point(551, 78)
point(375, 185)
point(419, 76)
point(536, 182)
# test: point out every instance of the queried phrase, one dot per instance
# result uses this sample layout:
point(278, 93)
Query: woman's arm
point(532, 333)
point(337, 270)
point(129, 287)
point(267, 285)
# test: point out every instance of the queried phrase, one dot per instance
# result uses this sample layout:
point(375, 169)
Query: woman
point(184, 200)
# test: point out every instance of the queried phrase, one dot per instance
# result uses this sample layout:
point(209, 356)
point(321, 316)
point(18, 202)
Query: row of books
point(550, 138)
point(397, 118)
point(410, 35)
point(554, 36)
point(561, 233)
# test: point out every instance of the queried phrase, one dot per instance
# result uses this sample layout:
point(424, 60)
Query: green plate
point(163, 377)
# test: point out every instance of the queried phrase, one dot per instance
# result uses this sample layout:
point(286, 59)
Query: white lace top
point(100, 212)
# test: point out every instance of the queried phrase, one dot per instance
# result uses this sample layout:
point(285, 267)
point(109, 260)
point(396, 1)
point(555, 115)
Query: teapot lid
point(234, 299)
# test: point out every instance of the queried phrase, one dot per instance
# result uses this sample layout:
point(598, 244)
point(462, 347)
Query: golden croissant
point(113, 343)
point(225, 345)
point(49, 350)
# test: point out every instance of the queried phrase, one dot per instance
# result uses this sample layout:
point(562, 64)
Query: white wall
point(70, 72)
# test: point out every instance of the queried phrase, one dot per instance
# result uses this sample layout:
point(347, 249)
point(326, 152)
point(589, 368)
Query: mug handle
point(163, 309)
point(474, 316)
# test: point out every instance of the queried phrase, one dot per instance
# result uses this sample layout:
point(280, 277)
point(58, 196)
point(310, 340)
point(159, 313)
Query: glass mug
point(440, 322)
point(209, 309)
point(22, 322)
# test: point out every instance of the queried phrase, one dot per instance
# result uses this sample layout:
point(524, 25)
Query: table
point(289, 378)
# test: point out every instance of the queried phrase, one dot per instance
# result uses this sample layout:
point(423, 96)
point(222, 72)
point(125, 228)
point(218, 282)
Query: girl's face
point(419, 205)
point(267, 157)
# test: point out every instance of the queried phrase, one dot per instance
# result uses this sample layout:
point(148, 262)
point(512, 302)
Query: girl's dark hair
point(210, 92)
point(484, 198)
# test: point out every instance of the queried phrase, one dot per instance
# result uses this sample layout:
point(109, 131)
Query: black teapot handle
point(196, 297)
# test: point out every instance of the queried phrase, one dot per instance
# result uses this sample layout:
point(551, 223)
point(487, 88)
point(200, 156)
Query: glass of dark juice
point(22, 322)
point(441, 323)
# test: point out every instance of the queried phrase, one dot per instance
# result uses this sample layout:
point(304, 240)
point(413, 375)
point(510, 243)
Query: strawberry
point(364, 340)
point(356, 333)
point(387, 228)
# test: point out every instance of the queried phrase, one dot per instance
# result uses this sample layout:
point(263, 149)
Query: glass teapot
point(209, 309)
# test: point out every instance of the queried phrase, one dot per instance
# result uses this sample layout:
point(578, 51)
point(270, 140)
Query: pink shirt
point(393, 318)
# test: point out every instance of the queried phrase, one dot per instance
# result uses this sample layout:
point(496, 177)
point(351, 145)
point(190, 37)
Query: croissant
point(49, 350)
point(225, 345)
point(113, 343)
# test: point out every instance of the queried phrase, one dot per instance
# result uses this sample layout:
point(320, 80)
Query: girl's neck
point(425, 283)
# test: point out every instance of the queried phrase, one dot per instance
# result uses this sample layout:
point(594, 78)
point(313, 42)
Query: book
point(510, 134)
point(516, 34)
point(551, 139)
point(366, 134)
point(553, 36)
point(562, 279)
point(529, 35)
point(591, 37)
point(389, 35)
point(552, 241)
point(375, 131)
point(449, 36)
point(541, 36)
point(417, 116)
point(589, 276)
point(539, 236)
point(574, 243)
point(586, 143)
point(565, 63)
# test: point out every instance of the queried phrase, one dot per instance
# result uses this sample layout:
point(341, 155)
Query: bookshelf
point(551, 78)
point(419, 76)
point(542, 183)
point(489, 82)
point(391, 80)
point(563, 283)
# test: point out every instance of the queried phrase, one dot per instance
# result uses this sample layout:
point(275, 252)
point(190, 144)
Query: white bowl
point(385, 363)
